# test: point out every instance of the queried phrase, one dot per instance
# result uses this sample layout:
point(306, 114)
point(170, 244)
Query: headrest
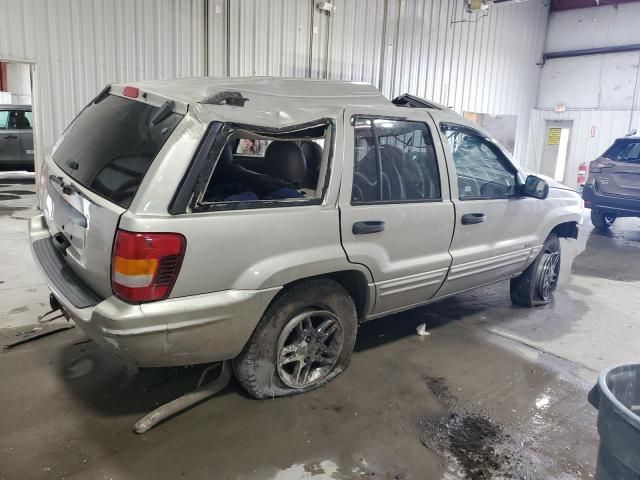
point(285, 160)
point(312, 154)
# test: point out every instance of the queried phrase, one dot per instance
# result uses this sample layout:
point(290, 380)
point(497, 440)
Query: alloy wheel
point(308, 348)
point(608, 219)
point(548, 272)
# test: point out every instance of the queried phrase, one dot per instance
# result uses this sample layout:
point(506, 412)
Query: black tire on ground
point(258, 368)
point(602, 220)
point(526, 288)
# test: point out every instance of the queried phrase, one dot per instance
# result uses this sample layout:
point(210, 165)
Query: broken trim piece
point(234, 99)
point(188, 400)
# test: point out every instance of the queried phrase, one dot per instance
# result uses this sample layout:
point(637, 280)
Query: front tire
point(304, 340)
point(602, 220)
point(537, 284)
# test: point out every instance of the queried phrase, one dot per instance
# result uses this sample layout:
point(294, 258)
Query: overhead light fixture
point(326, 7)
point(474, 6)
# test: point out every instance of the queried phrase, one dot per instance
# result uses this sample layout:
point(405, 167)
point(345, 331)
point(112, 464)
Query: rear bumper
point(177, 331)
point(622, 207)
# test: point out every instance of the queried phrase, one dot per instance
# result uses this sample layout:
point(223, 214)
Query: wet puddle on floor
point(476, 446)
point(324, 470)
point(8, 196)
point(18, 192)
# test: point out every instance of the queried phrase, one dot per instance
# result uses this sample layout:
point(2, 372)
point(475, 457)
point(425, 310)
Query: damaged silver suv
point(262, 219)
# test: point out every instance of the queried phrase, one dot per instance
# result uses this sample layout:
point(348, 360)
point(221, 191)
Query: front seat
point(284, 160)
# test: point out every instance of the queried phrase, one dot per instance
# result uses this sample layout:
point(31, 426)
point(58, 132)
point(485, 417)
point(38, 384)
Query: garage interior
point(488, 390)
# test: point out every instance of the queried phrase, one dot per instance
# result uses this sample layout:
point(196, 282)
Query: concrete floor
point(494, 391)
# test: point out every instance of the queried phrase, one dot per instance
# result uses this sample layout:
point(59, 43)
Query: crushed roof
point(308, 91)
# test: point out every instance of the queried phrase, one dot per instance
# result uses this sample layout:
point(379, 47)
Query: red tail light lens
point(145, 266)
point(596, 165)
point(131, 92)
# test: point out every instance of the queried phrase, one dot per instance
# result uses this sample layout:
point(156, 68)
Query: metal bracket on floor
point(55, 307)
point(43, 318)
point(180, 404)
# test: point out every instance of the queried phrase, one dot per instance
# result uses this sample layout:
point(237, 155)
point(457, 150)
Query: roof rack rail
point(411, 101)
point(235, 99)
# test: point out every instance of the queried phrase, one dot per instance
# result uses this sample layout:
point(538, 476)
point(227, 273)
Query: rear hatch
point(92, 176)
point(620, 169)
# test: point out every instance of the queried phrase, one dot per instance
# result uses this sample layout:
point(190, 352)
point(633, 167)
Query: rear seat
point(285, 176)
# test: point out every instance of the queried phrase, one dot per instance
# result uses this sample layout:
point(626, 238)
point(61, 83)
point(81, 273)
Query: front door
point(396, 215)
point(9, 138)
point(495, 225)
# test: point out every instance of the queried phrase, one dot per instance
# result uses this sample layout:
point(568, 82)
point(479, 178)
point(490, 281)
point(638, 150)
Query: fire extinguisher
point(582, 174)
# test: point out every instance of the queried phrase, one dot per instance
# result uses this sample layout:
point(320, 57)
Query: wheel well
point(566, 230)
point(353, 281)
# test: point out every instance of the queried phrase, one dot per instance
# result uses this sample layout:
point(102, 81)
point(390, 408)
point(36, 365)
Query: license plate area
point(64, 216)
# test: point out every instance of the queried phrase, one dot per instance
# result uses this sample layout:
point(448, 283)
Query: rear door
point(92, 176)
point(495, 229)
point(396, 215)
point(25, 125)
point(620, 169)
point(9, 137)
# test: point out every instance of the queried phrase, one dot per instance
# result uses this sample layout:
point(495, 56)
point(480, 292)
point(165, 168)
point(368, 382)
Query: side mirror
point(536, 187)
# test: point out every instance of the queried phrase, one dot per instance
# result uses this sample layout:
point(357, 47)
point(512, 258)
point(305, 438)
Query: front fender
point(561, 206)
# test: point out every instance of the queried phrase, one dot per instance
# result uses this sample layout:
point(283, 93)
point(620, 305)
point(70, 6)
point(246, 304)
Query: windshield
point(624, 150)
point(110, 146)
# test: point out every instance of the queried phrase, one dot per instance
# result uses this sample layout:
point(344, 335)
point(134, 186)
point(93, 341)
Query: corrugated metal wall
point(356, 41)
point(433, 49)
point(585, 144)
point(269, 37)
point(430, 48)
point(79, 46)
point(482, 64)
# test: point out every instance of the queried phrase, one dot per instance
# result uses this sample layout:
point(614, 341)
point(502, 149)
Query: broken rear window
point(255, 166)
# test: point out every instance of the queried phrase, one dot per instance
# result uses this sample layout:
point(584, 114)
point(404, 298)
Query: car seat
point(312, 153)
point(285, 161)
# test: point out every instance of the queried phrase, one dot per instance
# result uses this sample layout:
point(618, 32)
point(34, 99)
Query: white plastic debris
point(422, 330)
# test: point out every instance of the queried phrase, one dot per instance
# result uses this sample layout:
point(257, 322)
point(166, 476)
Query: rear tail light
point(596, 165)
point(145, 266)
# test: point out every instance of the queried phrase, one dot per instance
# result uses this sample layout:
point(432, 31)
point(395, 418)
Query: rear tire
point(537, 284)
point(602, 220)
point(304, 340)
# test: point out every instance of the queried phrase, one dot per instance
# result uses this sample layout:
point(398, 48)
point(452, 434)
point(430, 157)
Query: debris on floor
point(422, 330)
point(37, 333)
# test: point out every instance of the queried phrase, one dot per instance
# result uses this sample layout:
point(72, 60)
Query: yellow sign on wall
point(554, 136)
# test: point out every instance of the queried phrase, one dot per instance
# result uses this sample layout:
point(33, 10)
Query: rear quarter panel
point(251, 249)
point(240, 249)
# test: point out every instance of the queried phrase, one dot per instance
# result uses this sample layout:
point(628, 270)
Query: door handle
point(473, 218)
point(363, 228)
point(11, 137)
